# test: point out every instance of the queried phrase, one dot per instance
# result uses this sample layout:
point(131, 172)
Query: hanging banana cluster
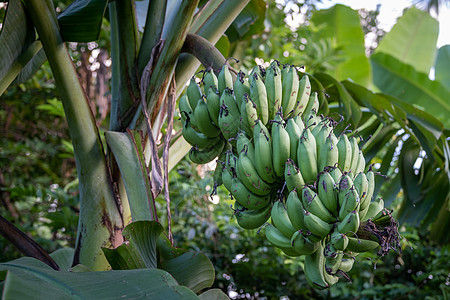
point(280, 160)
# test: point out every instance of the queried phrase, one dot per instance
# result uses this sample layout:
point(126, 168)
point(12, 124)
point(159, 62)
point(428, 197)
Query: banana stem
point(204, 51)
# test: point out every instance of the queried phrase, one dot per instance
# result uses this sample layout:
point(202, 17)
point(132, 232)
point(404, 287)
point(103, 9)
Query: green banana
point(259, 95)
point(332, 264)
point(327, 192)
point(316, 225)
point(307, 156)
point(276, 238)
point(350, 203)
point(345, 183)
point(258, 69)
point(263, 152)
point(225, 79)
point(360, 245)
point(339, 240)
point(299, 121)
point(361, 165)
point(213, 104)
point(194, 93)
point(243, 143)
point(204, 121)
point(227, 177)
point(350, 224)
point(346, 264)
point(374, 208)
point(280, 219)
point(355, 153)
point(249, 176)
point(210, 80)
point(294, 133)
point(312, 203)
point(314, 269)
point(295, 211)
point(345, 153)
point(203, 156)
point(290, 251)
point(370, 189)
point(245, 197)
point(328, 153)
point(240, 88)
point(252, 219)
point(362, 186)
point(304, 91)
point(196, 138)
point(292, 176)
point(312, 108)
point(229, 116)
point(186, 112)
point(280, 145)
point(290, 83)
point(274, 88)
point(329, 251)
point(248, 111)
point(336, 173)
point(301, 245)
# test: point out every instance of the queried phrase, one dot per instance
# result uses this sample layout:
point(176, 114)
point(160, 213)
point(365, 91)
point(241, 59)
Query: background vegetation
point(39, 184)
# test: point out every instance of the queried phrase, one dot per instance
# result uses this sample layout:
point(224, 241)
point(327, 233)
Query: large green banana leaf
point(342, 25)
point(412, 40)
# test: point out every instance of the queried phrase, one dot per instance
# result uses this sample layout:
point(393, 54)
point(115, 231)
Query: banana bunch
point(281, 160)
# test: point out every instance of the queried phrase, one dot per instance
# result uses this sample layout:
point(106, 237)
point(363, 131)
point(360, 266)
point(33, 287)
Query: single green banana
point(294, 133)
point(316, 225)
point(314, 269)
point(312, 108)
point(329, 251)
point(332, 264)
point(227, 177)
point(290, 83)
point(292, 176)
point(350, 203)
point(361, 165)
point(186, 112)
point(249, 176)
point(328, 154)
point(259, 95)
point(355, 153)
point(249, 112)
point(362, 186)
point(345, 183)
point(327, 192)
point(240, 88)
point(346, 264)
point(194, 93)
point(276, 238)
point(350, 224)
point(301, 245)
point(339, 240)
point(245, 125)
point(280, 145)
point(304, 91)
point(365, 201)
point(210, 80)
point(252, 219)
point(345, 153)
point(360, 245)
point(312, 203)
point(295, 211)
point(374, 208)
point(258, 69)
point(204, 121)
point(225, 79)
point(229, 115)
point(336, 173)
point(299, 121)
point(243, 144)
point(213, 104)
point(290, 252)
point(263, 152)
point(196, 138)
point(245, 197)
point(307, 156)
point(280, 219)
point(274, 88)
point(204, 156)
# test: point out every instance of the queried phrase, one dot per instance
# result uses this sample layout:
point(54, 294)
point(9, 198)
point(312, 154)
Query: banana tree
point(119, 180)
